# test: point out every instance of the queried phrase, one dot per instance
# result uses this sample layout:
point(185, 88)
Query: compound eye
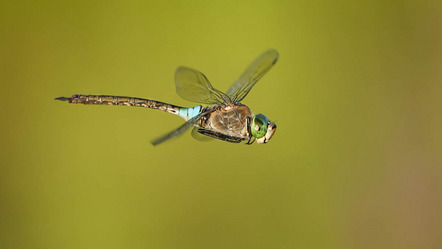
point(259, 125)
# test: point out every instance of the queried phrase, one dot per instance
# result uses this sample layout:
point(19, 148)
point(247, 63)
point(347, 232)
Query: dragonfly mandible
point(226, 119)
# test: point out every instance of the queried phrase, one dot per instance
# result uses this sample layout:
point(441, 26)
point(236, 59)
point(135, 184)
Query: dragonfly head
point(262, 129)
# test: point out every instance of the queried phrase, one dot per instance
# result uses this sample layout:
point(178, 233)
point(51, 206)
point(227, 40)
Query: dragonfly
point(225, 118)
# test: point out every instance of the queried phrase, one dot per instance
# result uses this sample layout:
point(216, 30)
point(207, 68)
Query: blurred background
point(356, 94)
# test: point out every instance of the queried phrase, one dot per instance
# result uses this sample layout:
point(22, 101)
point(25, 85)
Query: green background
point(355, 162)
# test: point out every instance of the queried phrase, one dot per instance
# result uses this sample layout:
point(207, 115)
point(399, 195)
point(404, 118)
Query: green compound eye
point(259, 125)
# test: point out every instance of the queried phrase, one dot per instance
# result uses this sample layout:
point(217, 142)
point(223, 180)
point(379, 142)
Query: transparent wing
point(177, 132)
point(194, 86)
point(252, 74)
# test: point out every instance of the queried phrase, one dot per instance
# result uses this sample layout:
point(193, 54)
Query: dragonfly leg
point(220, 136)
point(249, 131)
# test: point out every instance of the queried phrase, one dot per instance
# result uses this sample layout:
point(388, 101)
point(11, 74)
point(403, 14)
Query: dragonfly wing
point(194, 86)
point(252, 74)
point(177, 132)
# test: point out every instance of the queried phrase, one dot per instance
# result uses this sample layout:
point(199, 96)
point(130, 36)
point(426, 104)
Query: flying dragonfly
point(226, 119)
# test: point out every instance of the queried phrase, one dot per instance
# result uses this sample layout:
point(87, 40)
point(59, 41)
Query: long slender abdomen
point(183, 112)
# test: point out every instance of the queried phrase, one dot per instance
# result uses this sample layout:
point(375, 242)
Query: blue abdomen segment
point(188, 113)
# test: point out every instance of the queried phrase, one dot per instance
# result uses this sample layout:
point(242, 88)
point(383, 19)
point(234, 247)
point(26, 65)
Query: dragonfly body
point(227, 120)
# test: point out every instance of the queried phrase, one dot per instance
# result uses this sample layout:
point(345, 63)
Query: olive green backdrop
point(356, 94)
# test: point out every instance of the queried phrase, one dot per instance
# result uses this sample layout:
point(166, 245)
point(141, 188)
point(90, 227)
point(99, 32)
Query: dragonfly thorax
point(228, 119)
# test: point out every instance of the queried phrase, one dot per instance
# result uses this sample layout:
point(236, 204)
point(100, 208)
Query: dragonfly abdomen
point(191, 112)
point(186, 113)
